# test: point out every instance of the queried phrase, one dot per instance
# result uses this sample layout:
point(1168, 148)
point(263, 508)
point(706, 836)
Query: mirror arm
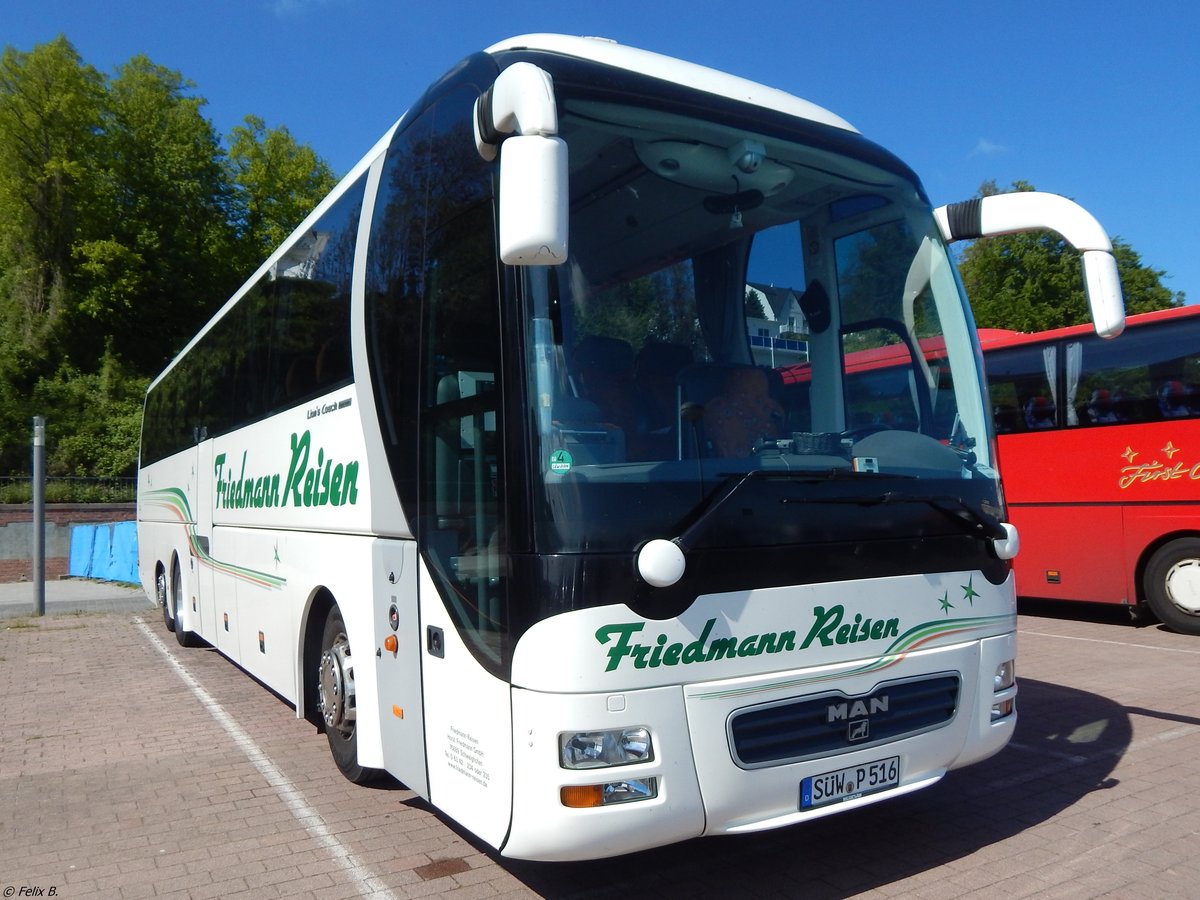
point(1029, 210)
point(520, 101)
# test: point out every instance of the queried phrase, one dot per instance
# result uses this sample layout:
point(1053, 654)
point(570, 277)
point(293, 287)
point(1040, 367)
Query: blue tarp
point(104, 552)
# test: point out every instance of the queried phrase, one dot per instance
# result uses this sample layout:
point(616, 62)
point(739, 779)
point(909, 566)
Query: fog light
point(594, 749)
point(1003, 680)
point(593, 795)
point(1006, 676)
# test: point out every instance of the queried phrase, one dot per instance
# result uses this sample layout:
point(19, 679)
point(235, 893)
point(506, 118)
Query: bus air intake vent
point(794, 730)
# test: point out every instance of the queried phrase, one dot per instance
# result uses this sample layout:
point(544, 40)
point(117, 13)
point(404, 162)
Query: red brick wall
point(61, 515)
point(70, 513)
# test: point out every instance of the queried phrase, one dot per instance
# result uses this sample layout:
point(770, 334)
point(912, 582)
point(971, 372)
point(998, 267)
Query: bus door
point(206, 617)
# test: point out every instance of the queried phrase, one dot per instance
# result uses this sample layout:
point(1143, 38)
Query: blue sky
point(1097, 100)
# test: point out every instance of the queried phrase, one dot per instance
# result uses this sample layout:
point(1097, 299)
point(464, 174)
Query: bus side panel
point(220, 595)
point(1146, 526)
point(1070, 553)
point(468, 724)
point(263, 612)
point(167, 521)
point(1088, 501)
point(398, 673)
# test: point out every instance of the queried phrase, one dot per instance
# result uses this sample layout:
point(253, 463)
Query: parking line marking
point(305, 815)
point(1071, 637)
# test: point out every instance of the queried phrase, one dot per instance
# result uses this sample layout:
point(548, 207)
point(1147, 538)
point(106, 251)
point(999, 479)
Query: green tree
point(123, 226)
point(277, 182)
point(163, 260)
point(49, 114)
point(94, 419)
point(1033, 281)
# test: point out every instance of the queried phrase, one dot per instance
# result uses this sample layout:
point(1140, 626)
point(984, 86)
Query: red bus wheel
point(1172, 584)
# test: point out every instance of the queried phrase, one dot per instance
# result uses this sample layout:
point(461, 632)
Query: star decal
point(277, 553)
point(945, 602)
point(969, 592)
point(1129, 454)
point(1170, 450)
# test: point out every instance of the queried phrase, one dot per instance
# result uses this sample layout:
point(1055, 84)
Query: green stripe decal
point(175, 500)
point(911, 640)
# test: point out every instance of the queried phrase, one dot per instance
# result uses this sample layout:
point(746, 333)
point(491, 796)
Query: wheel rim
point(336, 687)
point(1182, 586)
point(160, 589)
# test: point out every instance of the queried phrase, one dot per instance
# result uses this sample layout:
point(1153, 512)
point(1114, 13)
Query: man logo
point(855, 712)
point(863, 706)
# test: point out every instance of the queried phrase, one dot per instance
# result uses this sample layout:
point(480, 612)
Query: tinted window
point(1022, 387)
point(1146, 375)
point(433, 314)
point(285, 342)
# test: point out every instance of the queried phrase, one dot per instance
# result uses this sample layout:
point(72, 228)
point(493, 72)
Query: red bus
point(1098, 441)
point(1099, 444)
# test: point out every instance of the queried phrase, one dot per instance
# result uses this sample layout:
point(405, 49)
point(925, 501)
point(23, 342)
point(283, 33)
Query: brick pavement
point(117, 780)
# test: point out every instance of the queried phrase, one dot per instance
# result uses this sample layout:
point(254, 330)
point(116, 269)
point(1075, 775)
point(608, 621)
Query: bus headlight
point(594, 749)
point(1003, 680)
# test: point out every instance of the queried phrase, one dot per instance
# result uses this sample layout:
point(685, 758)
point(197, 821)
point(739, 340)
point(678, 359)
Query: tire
point(163, 598)
point(1172, 585)
point(184, 637)
point(336, 700)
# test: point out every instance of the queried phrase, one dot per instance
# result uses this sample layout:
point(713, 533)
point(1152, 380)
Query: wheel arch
point(1147, 554)
point(312, 622)
point(176, 563)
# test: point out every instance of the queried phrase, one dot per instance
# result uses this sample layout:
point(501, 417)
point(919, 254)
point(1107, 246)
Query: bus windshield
point(741, 297)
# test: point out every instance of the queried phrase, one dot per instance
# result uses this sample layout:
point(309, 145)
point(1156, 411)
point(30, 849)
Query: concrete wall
point(16, 535)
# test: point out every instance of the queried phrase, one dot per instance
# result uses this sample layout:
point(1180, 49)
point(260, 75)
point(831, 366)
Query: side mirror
point(533, 201)
point(518, 118)
point(1030, 210)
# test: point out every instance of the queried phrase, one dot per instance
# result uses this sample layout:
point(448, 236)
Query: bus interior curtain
point(1050, 363)
point(1074, 367)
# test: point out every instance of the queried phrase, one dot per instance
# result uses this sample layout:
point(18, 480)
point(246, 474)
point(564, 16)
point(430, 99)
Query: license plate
point(849, 783)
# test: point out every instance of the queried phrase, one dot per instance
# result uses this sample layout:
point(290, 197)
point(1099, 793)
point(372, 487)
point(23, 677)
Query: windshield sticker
point(561, 461)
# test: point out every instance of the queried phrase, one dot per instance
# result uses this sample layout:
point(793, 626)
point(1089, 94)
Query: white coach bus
point(587, 542)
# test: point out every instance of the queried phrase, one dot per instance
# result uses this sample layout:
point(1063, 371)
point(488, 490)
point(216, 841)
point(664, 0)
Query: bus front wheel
point(1172, 584)
point(336, 699)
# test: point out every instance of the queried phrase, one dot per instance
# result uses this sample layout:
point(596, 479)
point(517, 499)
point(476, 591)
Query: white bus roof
point(610, 53)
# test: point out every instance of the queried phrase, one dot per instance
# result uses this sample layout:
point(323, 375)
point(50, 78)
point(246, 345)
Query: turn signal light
point(582, 796)
point(587, 796)
point(390, 644)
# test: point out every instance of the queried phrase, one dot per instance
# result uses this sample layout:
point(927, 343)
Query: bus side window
point(1147, 376)
point(461, 478)
point(1020, 389)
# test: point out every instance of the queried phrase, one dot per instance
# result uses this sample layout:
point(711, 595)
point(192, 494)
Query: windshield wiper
point(731, 487)
point(734, 482)
point(957, 509)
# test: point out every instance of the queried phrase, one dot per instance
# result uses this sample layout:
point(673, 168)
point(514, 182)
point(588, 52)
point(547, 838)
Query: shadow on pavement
point(1066, 745)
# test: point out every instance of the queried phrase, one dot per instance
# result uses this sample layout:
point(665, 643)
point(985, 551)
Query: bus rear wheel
point(163, 598)
point(336, 698)
point(1172, 585)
